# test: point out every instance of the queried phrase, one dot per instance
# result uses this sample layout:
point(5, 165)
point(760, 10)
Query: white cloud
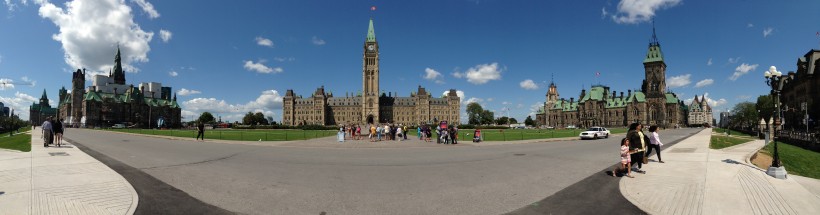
point(20, 103)
point(604, 13)
point(165, 35)
point(505, 103)
point(528, 85)
point(173, 73)
point(433, 75)
point(89, 41)
point(534, 109)
point(742, 70)
point(185, 92)
point(269, 103)
point(767, 32)
point(481, 74)
point(283, 59)
point(261, 68)
point(750, 25)
point(148, 8)
point(6, 84)
point(637, 11)
point(519, 106)
point(709, 63)
point(264, 42)
point(679, 81)
point(474, 100)
point(733, 60)
point(490, 99)
point(316, 41)
point(704, 82)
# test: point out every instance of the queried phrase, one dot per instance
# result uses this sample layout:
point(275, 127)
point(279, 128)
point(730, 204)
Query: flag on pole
point(372, 8)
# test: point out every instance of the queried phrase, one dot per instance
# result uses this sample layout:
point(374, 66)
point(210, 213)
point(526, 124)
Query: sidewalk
point(699, 180)
point(61, 180)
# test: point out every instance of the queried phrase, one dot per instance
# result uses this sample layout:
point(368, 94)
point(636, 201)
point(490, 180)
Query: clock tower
point(370, 78)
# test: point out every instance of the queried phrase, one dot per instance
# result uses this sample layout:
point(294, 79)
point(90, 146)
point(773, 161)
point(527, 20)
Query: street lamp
point(776, 80)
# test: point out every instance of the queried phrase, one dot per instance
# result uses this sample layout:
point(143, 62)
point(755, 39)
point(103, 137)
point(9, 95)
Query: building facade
point(39, 112)
point(799, 94)
point(700, 113)
point(600, 106)
point(371, 105)
point(110, 101)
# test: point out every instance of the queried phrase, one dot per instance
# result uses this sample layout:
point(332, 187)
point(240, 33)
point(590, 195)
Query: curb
point(134, 195)
point(753, 154)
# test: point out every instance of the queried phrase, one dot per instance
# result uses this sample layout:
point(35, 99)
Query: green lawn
point(723, 130)
point(719, 141)
point(19, 142)
point(245, 135)
point(797, 160)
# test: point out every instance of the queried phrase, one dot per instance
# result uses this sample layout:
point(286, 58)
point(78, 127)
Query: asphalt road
point(293, 180)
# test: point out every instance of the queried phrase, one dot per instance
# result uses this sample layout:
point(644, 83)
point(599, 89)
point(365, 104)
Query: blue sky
point(235, 57)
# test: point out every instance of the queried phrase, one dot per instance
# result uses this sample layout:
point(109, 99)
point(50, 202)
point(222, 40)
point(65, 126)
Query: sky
point(229, 58)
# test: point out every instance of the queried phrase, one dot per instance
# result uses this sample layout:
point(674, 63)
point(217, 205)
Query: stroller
point(477, 136)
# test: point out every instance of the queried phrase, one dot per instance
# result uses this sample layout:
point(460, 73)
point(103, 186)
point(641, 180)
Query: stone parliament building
point(370, 105)
point(599, 106)
point(110, 101)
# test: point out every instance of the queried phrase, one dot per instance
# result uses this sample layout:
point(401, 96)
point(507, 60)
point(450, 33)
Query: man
point(47, 132)
point(636, 143)
point(200, 128)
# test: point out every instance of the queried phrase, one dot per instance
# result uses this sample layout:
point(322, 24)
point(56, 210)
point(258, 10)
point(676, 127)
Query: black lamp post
point(776, 80)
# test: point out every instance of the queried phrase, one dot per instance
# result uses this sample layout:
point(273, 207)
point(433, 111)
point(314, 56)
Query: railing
point(802, 139)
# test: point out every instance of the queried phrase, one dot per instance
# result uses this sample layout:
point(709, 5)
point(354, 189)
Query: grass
point(734, 132)
point(242, 135)
point(284, 135)
point(797, 160)
point(719, 141)
point(19, 142)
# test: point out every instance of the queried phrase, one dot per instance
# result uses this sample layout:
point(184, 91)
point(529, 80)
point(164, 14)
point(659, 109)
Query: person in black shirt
point(200, 128)
point(58, 131)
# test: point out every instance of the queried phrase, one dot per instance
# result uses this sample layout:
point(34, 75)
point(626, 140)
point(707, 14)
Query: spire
point(44, 95)
point(654, 54)
point(371, 34)
point(119, 75)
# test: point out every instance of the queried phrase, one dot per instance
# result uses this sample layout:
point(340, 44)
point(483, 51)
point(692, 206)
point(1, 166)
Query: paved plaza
point(179, 175)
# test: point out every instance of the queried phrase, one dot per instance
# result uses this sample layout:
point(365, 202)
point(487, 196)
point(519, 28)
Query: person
point(452, 132)
point(654, 143)
point(372, 134)
point(47, 132)
point(200, 131)
point(438, 135)
point(57, 127)
point(636, 144)
point(418, 132)
point(625, 159)
point(358, 132)
point(477, 135)
point(404, 129)
point(445, 136)
point(379, 131)
point(455, 134)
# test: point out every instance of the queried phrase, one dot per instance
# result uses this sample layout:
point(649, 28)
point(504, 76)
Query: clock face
point(370, 47)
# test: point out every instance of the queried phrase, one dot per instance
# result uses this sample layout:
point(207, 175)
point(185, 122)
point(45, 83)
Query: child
point(626, 161)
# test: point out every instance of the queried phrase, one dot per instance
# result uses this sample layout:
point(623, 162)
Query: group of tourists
point(398, 132)
point(636, 147)
point(52, 129)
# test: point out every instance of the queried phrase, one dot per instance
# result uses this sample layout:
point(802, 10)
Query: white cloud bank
point(264, 42)
point(268, 102)
point(187, 92)
point(637, 11)
point(481, 74)
point(260, 67)
point(528, 85)
point(704, 82)
point(742, 70)
point(679, 81)
point(165, 35)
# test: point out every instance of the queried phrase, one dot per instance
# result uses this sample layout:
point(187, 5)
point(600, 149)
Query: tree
point(487, 117)
point(474, 111)
point(744, 115)
point(529, 121)
point(765, 104)
point(502, 120)
point(206, 118)
point(257, 118)
point(513, 121)
point(260, 118)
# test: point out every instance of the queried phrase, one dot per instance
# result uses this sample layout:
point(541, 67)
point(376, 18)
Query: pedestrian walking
point(58, 132)
point(404, 130)
point(625, 159)
point(379, 131)
point(418, 132)
point(372, 134)
point(399, 132)
point(47, 132)
point(654, 143)
point(200, 131)
point(636, 144)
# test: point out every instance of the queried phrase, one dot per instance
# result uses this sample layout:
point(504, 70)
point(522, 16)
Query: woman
point(58, 132)
point(636, 144)
point(654, 143)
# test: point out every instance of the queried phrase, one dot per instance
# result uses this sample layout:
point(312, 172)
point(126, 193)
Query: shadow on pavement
point(155, 196)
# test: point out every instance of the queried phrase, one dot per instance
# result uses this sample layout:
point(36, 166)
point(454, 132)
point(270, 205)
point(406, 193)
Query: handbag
point(645, 160)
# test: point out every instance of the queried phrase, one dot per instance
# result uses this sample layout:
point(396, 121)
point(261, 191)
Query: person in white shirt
point(654, 143)
point(399, 133)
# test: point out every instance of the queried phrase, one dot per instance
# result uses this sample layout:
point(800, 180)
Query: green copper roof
point(654, 54)
point(371, 34)
point(637, 96)
point(92, 96)
point(671, 98)
point(595, 93)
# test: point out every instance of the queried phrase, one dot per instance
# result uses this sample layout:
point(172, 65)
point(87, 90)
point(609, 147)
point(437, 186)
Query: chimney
point(622, 94)
point(629, 93)
point(572, 100)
